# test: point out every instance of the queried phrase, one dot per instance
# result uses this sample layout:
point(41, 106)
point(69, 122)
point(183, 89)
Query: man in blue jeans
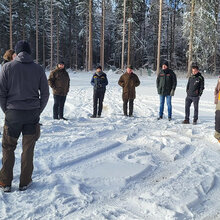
point(166, 85)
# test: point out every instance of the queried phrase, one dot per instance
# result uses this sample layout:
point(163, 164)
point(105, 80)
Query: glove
point(99, 85)
point(172, 92)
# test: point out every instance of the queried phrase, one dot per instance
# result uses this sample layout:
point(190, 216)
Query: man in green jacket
point(166, 85)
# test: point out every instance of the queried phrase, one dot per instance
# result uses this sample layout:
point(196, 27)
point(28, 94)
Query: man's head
point(61, 65)
point(22, 46)
point(195, 69)
point(165, 65)
point(98, 69)
point(129, 69)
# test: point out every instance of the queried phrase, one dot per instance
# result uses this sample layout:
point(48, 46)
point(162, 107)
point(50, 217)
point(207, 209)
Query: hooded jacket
point(195, 85)
point(59, 81)
point(23, 84)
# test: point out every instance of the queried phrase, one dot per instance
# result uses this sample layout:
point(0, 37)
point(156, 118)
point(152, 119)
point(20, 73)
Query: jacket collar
point(24, 57)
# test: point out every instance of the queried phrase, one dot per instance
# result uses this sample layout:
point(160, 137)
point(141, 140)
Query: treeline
point(84, 33)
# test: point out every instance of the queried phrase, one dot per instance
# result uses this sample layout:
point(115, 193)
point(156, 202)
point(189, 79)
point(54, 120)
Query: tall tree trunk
point(172, 58)
point(159, 36)
point(129, 32)
point(87, 43)
point(36, 31)
point(51, 34)
point(123, 37)
point(58, 34)
point(10, 20)
point(102, 48)
point(70, 37)
point(216, 37)
point(191, 38)
point(90, 36)
point(44, 53)
point(23, 26)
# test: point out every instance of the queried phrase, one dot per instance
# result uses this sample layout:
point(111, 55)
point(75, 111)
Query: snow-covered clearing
point(120, 168)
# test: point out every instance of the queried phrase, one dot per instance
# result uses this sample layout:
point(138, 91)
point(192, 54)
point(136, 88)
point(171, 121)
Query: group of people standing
point(24, 93)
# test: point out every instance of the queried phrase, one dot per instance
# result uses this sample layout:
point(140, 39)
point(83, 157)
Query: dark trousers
point(125, 106)
point(188, 102)
point(58, 106)
point(98, 97)
point(17, 122)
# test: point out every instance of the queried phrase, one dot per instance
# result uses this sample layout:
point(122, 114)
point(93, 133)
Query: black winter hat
point(61, 62)
point(22, 46)
point(99, 67)
point(165, 62)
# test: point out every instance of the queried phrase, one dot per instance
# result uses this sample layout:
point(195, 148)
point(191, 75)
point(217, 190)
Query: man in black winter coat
point(24, 93)
point(194, 89)
point(99, 82)
point(166, 85)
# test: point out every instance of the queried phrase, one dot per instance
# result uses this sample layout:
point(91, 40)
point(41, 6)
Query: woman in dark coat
point(59, 81)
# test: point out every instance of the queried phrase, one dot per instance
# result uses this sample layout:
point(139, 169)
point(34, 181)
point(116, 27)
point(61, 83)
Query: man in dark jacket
point(59, 81)
point(129, 81)
point(99, 82)
point(24, 94)
point(194, 89)
point(166, 85)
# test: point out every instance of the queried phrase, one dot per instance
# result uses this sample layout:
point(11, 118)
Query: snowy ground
point(119, 168)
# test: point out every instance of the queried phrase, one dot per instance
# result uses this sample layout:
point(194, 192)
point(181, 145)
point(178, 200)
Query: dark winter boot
point(185, 121)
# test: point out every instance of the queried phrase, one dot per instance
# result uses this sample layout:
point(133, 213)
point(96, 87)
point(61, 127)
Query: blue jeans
point(169, 105)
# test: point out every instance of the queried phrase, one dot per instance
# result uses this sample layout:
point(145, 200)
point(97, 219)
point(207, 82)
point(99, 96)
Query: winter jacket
point(4, 62)
point(128, 82)
point(59, 81)
point(216, 93)
point(166, 81)
point(195, 85)
point(99, 81)
point(23, 84)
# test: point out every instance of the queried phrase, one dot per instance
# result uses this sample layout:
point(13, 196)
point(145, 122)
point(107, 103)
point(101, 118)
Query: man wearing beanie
point(166, 85)
point(128, 81)
point(24, 94)
point(99, 82)
point(59, 81)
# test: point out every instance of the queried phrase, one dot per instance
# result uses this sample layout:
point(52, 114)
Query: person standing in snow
point(24, 93)
point(194, 89)
point(99, 82)
point(59, 81)
point(166, 85)
point(129, 81)
point(217, 112)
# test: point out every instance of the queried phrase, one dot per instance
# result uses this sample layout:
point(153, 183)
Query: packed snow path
point(120, 168)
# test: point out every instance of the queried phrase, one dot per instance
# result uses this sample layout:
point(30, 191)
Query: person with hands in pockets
point(166, 85)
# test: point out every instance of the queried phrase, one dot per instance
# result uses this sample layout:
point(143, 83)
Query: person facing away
point(194, 90)
point(24, 93)
point(99, 82)
point(217, 112)
point(166, 85)
point(59, 81)
point(128, 81)
point(8, 56)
